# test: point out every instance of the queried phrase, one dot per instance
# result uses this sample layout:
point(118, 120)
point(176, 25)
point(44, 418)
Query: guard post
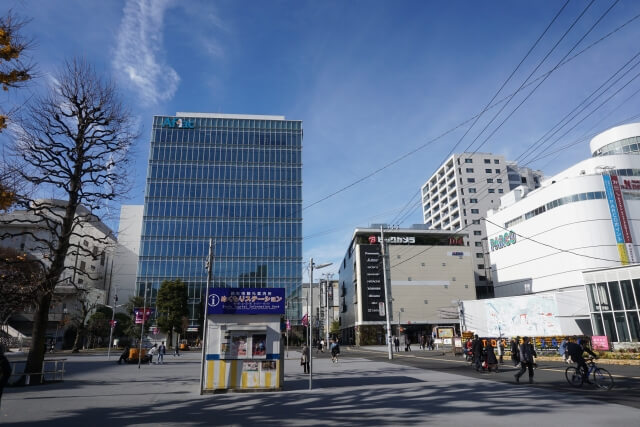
point(243, 351)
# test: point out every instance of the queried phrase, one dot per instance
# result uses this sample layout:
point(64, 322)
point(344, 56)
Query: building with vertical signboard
point(429, 271)
point(235, 179)
point(571, 246)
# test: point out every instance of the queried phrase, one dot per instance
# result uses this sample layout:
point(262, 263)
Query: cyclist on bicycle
point(575, 351)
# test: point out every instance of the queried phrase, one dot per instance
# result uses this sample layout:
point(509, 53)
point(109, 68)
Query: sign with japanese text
point(600, 342)
point(372, 283)
point(139, 314)
point(246, 301)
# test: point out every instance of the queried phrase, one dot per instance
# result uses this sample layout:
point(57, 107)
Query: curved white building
point(583, 220)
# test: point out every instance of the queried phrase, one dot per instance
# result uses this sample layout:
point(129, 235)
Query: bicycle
point(601, 377)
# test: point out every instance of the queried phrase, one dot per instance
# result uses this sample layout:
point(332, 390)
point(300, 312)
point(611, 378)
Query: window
point(487, 170)
point(500, 190)
point(475, 221)
point(83, 265)
point(487, 160)
point(479, 255)
point(491, 190)
point(475, 211)
point(523, 180)
point(473, 200)
point(468, 160)
point(497, 170)
point(496, 161)
point(490, 180)
point(469, 170)
point(472, 190)
point(499, 180)
point(478, 244)
point(471, 180)
point(477, 233)
point(480, 266)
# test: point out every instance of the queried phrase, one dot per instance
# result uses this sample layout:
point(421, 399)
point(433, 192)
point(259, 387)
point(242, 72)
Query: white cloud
point(138, 56)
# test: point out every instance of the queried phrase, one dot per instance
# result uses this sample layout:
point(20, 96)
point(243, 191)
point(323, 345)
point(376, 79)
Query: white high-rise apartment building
point(461, 192)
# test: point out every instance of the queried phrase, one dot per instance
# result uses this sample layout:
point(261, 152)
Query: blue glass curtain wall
point(238, 181)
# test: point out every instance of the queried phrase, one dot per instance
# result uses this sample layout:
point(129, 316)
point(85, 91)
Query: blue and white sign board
point(246, 301)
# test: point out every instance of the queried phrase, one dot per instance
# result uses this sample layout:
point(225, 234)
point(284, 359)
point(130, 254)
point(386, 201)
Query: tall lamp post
point(312, 266)
point(327, 283)
point(112, 324)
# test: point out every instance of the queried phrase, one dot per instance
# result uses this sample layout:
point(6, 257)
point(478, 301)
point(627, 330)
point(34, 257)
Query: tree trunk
point(76, 341)
point(38, 337)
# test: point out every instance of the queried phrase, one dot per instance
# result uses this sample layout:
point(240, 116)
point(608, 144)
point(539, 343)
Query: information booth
point(242, 349)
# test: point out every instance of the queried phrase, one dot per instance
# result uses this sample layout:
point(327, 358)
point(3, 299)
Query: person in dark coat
point(304, 358)
point(527, 353)
point(490, 357)
point(124, 356)
point(476, 348)
point(396, 342)
point(5, 370)
point(576, 351)
point(515, 351)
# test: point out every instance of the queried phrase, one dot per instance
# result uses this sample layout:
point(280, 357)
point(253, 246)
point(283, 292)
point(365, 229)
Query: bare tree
point(80, 318)
point(73, 143)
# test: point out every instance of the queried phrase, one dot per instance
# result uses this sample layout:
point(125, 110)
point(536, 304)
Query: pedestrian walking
point(501, 351)
point(176, 349)
point(515, 351)
point(477, 348)
point(396, 342)
point(152, 351)
point(407, 343)
point(304, 359)
point(490, 357)
point(5, 370)
point(335, 351)
point(161, 352)
point(124, 356)
point(527, 353)
point(322, 344)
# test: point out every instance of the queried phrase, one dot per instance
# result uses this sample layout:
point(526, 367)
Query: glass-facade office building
point(236, 179)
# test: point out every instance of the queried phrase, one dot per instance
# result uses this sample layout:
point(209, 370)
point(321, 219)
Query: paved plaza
point(355, 391)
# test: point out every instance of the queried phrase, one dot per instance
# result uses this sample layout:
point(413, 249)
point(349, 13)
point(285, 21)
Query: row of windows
point(614, 306)
point(211, 122)
point(623, 146)
point(227, 248)
point(224, 172)
point(198, 228)
point(222, 270)
point(593, 195)
point(222, 210)
point(486, 161)
point(197, 190)
point(234, 138)
point(470, 170)
point(225, 154)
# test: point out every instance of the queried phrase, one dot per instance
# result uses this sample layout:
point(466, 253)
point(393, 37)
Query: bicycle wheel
point(573, 376)
point(602, 379)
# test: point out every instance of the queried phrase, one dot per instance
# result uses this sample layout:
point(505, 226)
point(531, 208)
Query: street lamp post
point(112, 324)
point(209, 267)
point(312, 266)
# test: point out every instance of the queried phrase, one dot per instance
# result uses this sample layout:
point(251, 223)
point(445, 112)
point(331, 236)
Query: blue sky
point(371, 81)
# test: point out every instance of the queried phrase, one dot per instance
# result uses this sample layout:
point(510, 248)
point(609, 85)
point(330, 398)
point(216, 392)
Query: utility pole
point(209, 266)
point(386, 291)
